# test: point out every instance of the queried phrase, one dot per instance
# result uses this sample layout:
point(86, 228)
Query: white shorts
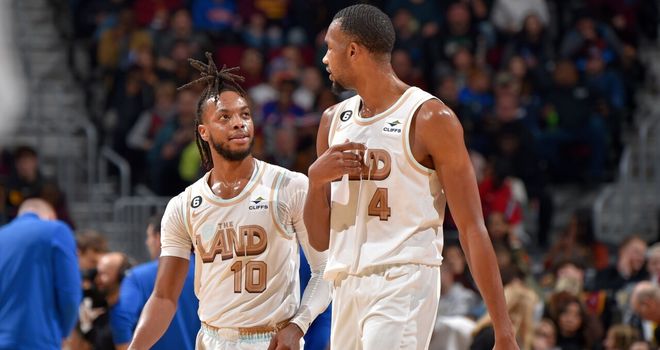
point(210, 339)
point(388, 307)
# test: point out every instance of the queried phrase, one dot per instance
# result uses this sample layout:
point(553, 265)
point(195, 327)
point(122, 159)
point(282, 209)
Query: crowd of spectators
point(543, 89)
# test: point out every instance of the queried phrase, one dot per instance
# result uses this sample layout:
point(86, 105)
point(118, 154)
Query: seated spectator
point(588, 35)
point(628, 268)
point(455, 299)
point(455, 261)
point(578, 241)
point(653, 263)
point(576, 330)
point(169, 144)
point(180, 30)
point(142, 136)
point(118, 44)
point(545, 335)
point(521, 303)
point(27, 181)
point(645, 302)
point(508, 16)
point(531, 43)
point(620, 337)
point(217, 17)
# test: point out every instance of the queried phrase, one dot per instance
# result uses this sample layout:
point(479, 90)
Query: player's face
point(335, 58)
point(227, 126)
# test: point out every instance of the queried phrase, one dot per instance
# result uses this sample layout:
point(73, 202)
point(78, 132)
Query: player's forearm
point(317, 216)
point(156, 317)
point(483, 265)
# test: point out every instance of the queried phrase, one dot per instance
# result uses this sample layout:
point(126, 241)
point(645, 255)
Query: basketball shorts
point(386, 307)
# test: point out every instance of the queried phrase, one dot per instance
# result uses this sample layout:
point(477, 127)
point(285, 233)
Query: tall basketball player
point(244, 221)
point(382, 223)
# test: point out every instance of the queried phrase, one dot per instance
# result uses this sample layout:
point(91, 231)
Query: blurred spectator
point(497, 195)
point(27, 181)
point(532, 43)
point(578, 241)
point(455, 261)
point(545, 335)
point(620, 337)
point(40, 286)
point(424, 13)
point(589, 36)
point(169, 144)
point(118, 45)
point(90, 246)
point(476, 95)
point(570, 121)
point(521, 303)
point(310, 86)
point(217, 17)
point(280, 119)
point(508, 16)
point(628, 268)
point(455, 299)
point(576, 330)
point(645, 302)
point(252, 68)
point(653, 263)
point(135, 290)
point(180, 30)
point(141, 137)
point(154, 13)
point(95, 319)
point(641, 345)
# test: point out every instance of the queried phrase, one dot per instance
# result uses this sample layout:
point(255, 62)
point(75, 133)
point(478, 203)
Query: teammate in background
point(40, 286)
point(382, 223)
point(244, 220)
point(135, 290)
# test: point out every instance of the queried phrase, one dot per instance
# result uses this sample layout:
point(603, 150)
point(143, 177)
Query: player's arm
point(317, 294)
point(161, 306)
point(68, 289)
point(172, 271)
point(451, 161)
point(331, 164)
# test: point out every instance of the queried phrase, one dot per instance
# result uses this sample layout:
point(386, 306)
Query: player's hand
point(345, 158)
point(288, 338)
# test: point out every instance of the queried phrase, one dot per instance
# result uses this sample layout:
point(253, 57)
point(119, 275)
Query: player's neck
point(380, 91)
point(228, 178)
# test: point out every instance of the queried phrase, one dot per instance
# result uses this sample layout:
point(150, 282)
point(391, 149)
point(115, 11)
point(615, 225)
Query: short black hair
point(155, 221)
point(369, 26)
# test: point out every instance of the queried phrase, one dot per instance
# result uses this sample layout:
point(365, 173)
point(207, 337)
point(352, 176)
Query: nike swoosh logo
point(389, 277)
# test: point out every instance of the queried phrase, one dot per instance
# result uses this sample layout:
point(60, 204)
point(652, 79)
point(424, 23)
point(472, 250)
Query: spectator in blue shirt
point(40, 286)
point(135, 291)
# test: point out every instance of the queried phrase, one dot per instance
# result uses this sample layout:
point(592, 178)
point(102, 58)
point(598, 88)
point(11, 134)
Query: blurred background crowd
point(547, 92)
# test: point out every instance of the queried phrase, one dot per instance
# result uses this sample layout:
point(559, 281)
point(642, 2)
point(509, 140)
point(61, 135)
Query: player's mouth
point(327, 69)
point(240, 139)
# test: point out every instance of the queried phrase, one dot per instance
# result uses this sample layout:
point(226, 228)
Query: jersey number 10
point(253, 284)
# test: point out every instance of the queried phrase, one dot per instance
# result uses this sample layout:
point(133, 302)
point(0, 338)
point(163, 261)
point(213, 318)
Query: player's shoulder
point(287, 179)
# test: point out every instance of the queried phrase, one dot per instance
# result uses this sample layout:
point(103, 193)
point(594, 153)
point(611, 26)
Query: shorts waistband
point(258, 333)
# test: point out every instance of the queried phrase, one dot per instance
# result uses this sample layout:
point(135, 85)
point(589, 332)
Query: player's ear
point(353, 49)
point(203, 132)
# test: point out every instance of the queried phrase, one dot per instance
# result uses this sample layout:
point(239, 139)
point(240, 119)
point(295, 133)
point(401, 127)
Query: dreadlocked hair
point(216, 81)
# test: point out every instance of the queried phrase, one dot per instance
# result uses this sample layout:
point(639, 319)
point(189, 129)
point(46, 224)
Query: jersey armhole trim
point(186, 217)
point(333, 122)
point(274, 194)
point(406, 140)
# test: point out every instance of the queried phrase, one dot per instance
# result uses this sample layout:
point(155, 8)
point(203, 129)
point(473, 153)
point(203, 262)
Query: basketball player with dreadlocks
point(244, 221)
point(382, 222)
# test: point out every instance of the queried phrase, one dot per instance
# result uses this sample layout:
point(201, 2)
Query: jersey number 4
point(255, 276)
point(378, 205)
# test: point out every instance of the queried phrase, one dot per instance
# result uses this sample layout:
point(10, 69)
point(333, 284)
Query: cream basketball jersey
point(246, 249)
point(392, 213)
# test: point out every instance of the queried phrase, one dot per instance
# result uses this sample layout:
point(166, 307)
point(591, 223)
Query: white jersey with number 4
point(246, 250)
point(393, 213)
